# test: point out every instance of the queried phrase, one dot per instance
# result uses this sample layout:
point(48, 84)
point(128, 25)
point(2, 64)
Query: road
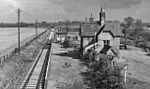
point(139, 63)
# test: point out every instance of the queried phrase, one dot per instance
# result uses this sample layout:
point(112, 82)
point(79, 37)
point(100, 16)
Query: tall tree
point(129, 21)
point(138, 28)
point(138, 22)
point(127, 26)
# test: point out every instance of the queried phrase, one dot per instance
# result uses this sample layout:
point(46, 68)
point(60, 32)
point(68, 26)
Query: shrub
point(104, 76)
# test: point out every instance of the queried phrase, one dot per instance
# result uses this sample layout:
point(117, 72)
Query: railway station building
point(101, 32)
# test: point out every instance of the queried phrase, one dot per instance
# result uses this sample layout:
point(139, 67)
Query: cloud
point(121, 3)
point(54, 10)
point(82, 8)
point(76, 4)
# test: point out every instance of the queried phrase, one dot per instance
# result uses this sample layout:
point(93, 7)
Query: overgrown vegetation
point(102, 75)
point(17, 66)
point(70, 42)
point(133, 29)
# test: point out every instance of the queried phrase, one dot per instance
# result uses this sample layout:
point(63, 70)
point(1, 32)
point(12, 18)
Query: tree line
point(133, 30)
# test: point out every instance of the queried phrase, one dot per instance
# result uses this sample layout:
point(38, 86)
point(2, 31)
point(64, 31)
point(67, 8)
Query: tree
point(146, 36)
point(67, 22)
point(138, 22)
point(126, 28)
point(129, 21)
point(138, 29)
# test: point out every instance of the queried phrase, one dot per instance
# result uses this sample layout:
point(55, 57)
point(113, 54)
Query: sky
point(60, 10)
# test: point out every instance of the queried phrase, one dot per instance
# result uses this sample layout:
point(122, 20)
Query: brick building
point(102, 32)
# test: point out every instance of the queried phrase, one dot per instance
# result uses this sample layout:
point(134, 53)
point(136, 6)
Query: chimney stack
point(102, 17)
point(91, 19)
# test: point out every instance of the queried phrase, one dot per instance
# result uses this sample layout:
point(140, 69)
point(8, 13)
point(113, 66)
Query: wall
point(114, 42)
point(105, 36)
point(86, 41)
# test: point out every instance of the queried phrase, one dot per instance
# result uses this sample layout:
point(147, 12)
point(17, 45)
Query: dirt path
point(139, 63)
point(65, 69)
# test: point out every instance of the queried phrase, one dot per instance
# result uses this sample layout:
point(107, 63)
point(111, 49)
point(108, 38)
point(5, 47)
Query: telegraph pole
point(36, 28)
point(18, 11)
point(125, 34)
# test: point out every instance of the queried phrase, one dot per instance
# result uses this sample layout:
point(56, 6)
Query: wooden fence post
point(0, 61)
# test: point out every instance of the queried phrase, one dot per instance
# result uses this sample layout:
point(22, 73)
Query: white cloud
point(54, 10)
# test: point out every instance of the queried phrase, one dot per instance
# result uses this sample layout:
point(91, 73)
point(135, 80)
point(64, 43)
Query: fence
point(13, 52)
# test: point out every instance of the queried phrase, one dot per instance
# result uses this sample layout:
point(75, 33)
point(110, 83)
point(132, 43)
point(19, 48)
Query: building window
point(107, 42)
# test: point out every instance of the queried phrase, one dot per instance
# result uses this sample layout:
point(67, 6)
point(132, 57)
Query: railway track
point(37, 75)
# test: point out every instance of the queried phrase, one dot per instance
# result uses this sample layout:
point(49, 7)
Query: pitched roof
point(89, 29)
point(114, 27)
point(105, 49)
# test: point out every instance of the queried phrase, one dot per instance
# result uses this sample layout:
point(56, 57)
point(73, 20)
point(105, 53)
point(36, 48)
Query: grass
point(15, 68)
point(136, 84)
point(65, 69)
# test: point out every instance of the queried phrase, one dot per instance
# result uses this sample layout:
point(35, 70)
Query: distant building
point(91, 19)
point(86, 19)
point(146, 28)
point(60, 34)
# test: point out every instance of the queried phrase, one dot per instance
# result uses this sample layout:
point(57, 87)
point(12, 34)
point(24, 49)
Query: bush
point(66, 43)
point(69, 43)
point(104, 76)
point(74, 85)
